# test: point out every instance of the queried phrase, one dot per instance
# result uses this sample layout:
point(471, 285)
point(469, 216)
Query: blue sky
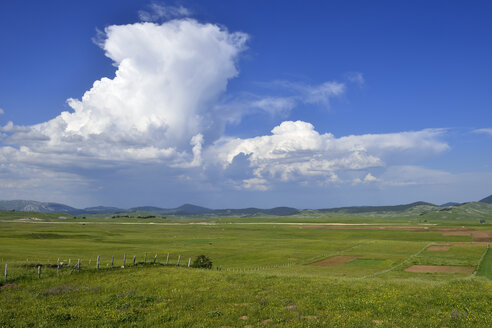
point(245, 103)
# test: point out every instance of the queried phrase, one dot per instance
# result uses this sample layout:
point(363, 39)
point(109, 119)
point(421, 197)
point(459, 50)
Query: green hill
point(487, 200)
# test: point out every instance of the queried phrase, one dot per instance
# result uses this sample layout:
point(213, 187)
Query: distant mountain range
point(365, 209)
point(184, 210)
point(190, 209)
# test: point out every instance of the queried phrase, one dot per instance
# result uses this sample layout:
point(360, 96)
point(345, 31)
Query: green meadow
point(263, 273)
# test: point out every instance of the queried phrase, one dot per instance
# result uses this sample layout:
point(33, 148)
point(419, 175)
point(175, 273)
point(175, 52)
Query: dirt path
point(358, 227)
point(334, 225)
point(478, 235)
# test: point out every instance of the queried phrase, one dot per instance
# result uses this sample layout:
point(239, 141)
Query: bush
point(202, 262)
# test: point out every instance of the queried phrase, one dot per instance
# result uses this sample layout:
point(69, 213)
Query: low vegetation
point(274, 272)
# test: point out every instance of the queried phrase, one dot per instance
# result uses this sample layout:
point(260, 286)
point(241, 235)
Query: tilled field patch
point(439, 248)
point(482, 235)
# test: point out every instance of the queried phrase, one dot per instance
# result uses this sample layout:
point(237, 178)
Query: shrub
point(202, 262)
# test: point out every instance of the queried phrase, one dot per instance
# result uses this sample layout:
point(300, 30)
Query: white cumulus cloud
point(296, 150)
point(160, 102)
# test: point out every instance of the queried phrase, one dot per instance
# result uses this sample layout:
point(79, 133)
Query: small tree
point(202, 262)
point(482, 221)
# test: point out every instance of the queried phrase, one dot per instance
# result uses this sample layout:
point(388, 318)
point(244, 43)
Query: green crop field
point(267, 272)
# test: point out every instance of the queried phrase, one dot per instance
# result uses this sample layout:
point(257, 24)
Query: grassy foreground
point(180, 297)
point(267, 277)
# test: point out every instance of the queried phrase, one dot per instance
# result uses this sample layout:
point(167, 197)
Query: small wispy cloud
point(313, 94)
point(355, 77)
point(275, 105)
point(159, 11)
point(1, 111)
point(281, 98)
point(487, 131)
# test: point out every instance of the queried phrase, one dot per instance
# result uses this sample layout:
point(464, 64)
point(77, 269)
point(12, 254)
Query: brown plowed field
point(439, 269)
point(480, 243)
point(334, 260)
point(439, 248)
point(456, 233)
point(482, 235)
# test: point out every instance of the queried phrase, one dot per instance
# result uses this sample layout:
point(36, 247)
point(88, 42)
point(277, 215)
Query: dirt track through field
point(336, 227)
point(334, 260)
point(439, 269)
point(478, 235)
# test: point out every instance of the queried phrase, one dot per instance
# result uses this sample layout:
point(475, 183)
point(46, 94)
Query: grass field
point(485, 269)
point(267, 276)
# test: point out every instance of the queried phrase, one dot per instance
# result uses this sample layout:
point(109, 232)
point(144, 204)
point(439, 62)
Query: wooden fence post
point(189, 262)
point(78, 265)
point(155, 258)
point(112, 261)
point(134, 256)
point(39, 271)
point(167, 260)
point(179, 258)
point(145, 259)
point(124, 259)
point(97, 263)
point(5, 272)
point(58, 270)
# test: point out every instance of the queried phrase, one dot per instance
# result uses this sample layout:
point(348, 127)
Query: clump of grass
point(202, 262)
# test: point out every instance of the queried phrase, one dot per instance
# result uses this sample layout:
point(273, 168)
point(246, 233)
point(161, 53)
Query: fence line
point(399, 265)
point(61, 265)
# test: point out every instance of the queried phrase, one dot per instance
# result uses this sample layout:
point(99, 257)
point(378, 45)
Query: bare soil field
point(439, 269)
point(334, 260)
point(482, 235)
point(456, 233)
point(439, 248)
